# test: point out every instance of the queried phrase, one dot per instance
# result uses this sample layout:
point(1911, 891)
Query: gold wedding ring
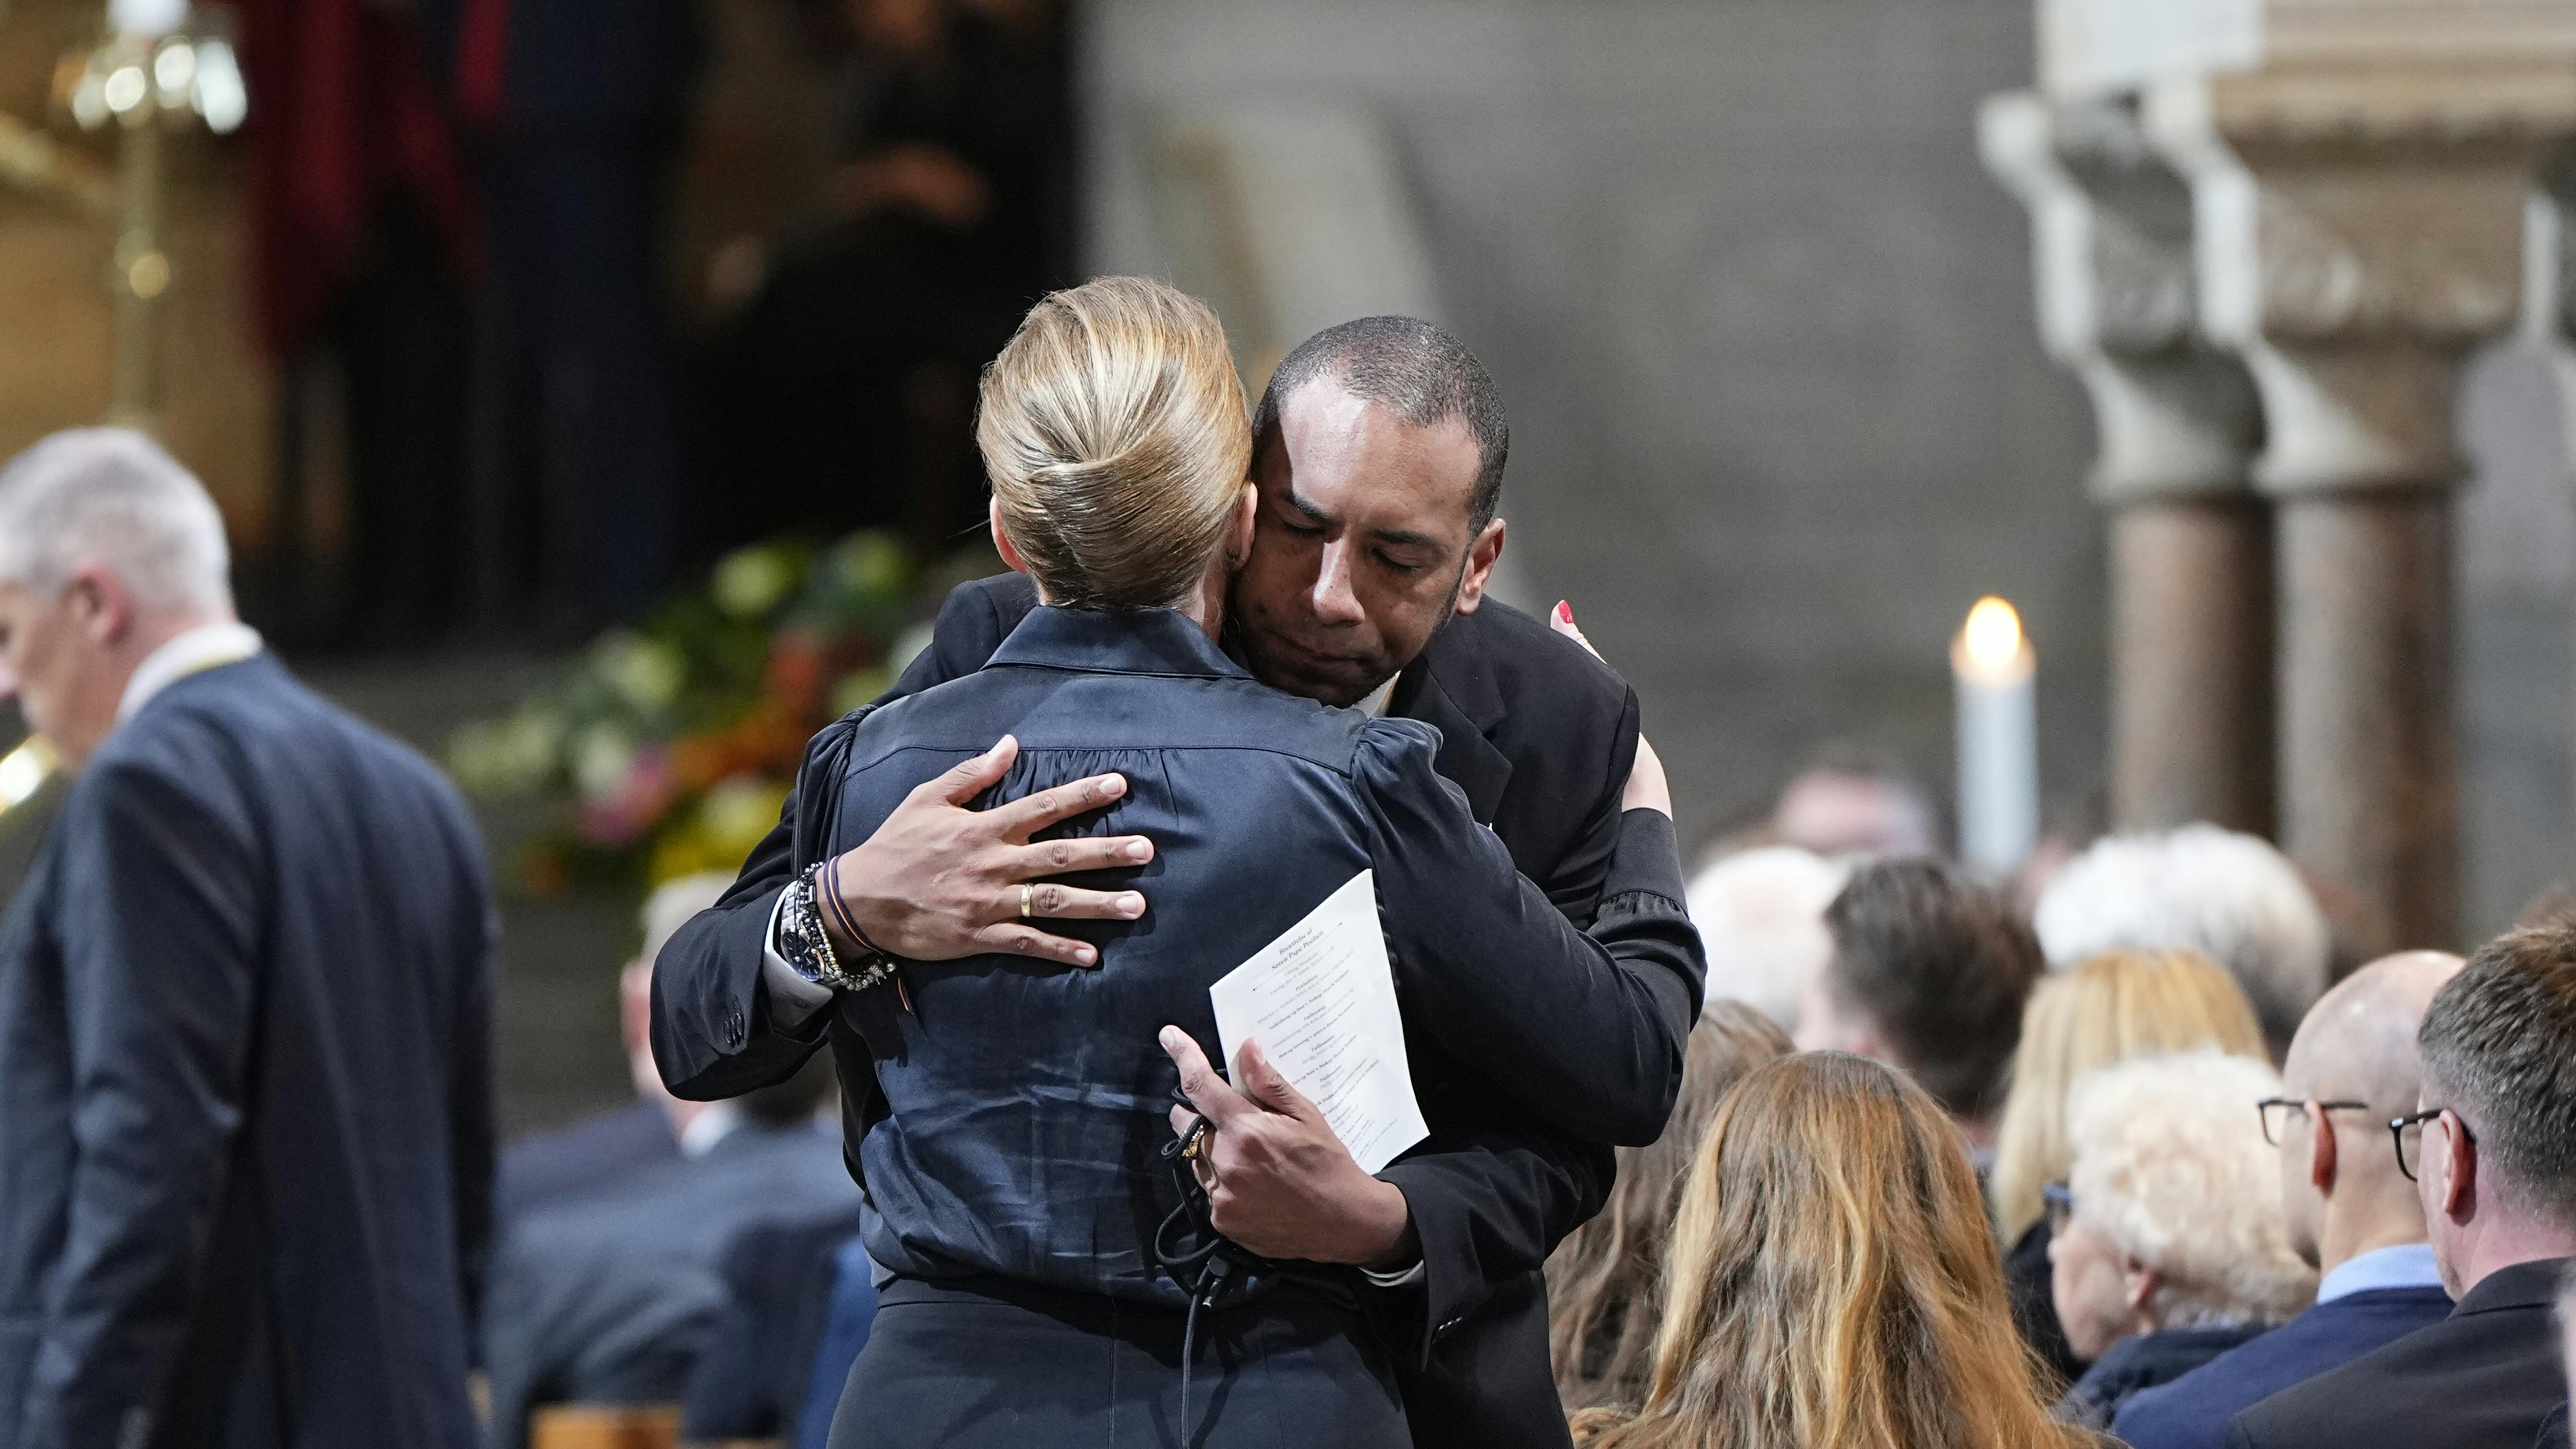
point(1026, 891)
point(1191, 1145)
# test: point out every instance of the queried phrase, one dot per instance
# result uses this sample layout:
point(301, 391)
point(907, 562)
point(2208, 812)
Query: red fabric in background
point(342, 119)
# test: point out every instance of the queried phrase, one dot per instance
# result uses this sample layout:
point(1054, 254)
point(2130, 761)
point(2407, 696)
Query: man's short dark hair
point(1941, 965)
point(1421, 373)
point(2499, 1048)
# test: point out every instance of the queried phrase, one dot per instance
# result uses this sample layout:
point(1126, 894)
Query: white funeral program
point(1321, 1000)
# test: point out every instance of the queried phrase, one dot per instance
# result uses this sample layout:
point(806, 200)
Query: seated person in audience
point(551, 1167)
point(2351, 1068)
point(1929, 972)
point(1848, 801)
point(1832, 1282)
point(772, 1353)
point(1603, 1282)
point(1761, 918)
point(2172, 1249)
point(2492, 1148)
point(2109, 1009)
point(607, 1299)
point(2230, 897)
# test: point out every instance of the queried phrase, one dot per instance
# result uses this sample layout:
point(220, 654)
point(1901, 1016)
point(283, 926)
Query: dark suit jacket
point(2483, 1378)
point(592, 1154)
point(609, 1299)
point(2193, 1411)
point(1539, 735)
point(245, 1044)
point(753, 1379)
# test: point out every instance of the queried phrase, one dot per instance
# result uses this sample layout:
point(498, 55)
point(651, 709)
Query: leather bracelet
point(841, 911)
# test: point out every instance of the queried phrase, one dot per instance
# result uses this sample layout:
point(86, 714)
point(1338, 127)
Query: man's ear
point(1481, 557)
point(100, 603)
point(2459, 1189)
point(1002, 541)
point(1238, 530)
point(2322, 1149)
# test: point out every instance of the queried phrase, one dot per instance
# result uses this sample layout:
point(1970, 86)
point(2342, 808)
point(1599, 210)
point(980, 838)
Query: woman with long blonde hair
point(1833, 1283)
point(1604, 1282)
point(2103, 1010)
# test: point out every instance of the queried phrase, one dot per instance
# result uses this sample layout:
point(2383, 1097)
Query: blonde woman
point(1048, 1278)
point(1604, 1282)
point(2104, 1010)
point(1833, 1283)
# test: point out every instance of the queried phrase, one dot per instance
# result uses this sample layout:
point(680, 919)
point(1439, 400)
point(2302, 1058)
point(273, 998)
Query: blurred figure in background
point(1852, 802)
point(1605, 1282)
point(2171, 1248)
point(842, 393)
point(610, 1298)
point(2491, 1146)
point(1832, 1282)
point(2228, 896)
point(599, 1151)
point(1761, 914)
point(800, 1297)
point(1929, 972)
point(2109, 1009)
point(2351, 1213)
point(245, 1011)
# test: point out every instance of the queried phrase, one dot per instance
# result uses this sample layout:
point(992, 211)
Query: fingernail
point(1131, 904)
point(1167, 1037)
point(1114, 785)
point(1141, 850)
point(1084, 955)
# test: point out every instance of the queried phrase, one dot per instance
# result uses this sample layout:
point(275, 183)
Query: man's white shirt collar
point(203, 647)
point(1375, 704)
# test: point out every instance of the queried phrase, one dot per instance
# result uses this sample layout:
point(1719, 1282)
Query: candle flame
point(1992, 638)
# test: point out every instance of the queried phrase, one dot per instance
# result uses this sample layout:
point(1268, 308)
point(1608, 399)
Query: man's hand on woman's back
point(939, 881)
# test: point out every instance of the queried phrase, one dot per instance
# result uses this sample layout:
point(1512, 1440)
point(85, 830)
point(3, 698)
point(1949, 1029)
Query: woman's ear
point(1002, 541)
point(2139, 1283)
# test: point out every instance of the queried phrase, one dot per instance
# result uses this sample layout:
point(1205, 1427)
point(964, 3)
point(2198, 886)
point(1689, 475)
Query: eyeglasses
point(2399, 1128)
point(2276, 1112)
point(2057, 1204)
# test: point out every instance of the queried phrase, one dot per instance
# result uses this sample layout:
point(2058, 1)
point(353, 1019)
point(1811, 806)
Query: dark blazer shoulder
point(1528, 664)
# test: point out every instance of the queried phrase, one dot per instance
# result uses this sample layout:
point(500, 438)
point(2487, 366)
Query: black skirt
point(1009, 1365)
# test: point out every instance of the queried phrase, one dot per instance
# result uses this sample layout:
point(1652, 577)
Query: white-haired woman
point(2170, 1247)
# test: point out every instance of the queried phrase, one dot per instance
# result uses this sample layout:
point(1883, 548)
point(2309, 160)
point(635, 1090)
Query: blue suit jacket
point(592, 1155)
point(245, 1055)
point(2193, 1411)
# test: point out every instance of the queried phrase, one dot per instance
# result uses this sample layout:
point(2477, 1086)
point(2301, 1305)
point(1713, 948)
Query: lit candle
point(1998, 739)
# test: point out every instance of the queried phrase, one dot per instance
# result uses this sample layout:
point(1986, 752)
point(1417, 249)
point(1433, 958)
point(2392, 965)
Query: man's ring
point(1197, 1139)
point(1026, 891)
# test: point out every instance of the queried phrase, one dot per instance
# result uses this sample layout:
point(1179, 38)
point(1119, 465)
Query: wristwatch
point(807, 947)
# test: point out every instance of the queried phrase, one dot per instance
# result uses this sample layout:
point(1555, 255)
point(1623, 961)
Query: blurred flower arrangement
point(669, 746)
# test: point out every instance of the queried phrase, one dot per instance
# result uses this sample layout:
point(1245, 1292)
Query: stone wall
point(1781, 413)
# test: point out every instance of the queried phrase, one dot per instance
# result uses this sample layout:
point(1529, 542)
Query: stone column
point(2191, 596)
point(2549, 301)
point(2359, 212)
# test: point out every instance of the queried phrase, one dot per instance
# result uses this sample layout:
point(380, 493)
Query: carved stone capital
point(2360, 229)
point(2111, 241)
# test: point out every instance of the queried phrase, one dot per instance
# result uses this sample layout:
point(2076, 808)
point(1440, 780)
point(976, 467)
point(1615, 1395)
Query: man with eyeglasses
point(2491, 1147)
point(2351, 1066)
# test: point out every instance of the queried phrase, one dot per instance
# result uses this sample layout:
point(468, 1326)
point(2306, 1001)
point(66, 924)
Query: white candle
point(1998, 739)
